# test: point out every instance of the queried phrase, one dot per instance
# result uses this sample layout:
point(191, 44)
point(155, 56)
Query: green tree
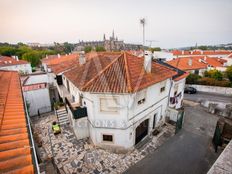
point(203, 47)
point(154, 49)
point(88, 49)
point(229, 73)
point(192, 79)
point(33, 57)
point(7, 51)
point(100, 49)
point(68, 47)
point(215, 74)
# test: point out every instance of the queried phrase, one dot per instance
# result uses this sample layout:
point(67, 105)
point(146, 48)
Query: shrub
point(213, 82)
point(215, 74)
point(192, 79)
point(229, 73)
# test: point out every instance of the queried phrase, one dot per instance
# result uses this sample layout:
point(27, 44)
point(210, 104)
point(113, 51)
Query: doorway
point(141, 131)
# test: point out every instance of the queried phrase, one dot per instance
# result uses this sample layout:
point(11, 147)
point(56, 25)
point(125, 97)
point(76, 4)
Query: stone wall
point(213, 89)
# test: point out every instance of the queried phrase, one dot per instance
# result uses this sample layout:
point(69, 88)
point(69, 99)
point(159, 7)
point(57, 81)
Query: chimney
point(58, 55)
point(16, 58)
point(147, 61)
point(82, 58)
point(190, 62)
point(205, 57)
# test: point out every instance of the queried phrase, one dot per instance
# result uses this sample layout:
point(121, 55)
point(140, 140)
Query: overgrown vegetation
point(212, 78)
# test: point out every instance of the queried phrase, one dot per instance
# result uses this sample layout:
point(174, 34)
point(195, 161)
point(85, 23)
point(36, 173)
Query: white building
point(14, 64)
point(118, 99)
point(163, 55)
point(228, 59)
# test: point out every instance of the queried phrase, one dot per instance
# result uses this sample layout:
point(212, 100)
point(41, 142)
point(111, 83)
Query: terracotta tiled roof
point(117, 73)
point(9, 61)
point(53, 60)
point(199, 52)
point(183, 64)
point(15, 150)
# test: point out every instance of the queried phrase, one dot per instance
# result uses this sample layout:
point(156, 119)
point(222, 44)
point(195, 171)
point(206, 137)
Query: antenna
point(143, 22)
point(150, 41)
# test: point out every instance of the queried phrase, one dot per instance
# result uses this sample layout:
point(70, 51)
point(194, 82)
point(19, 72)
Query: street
point(190, 151)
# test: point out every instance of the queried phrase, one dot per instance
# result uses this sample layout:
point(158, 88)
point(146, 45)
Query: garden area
point(212, 78)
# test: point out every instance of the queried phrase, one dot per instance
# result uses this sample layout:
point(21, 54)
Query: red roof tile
point(183, 63)
point(199, 52)
point(117, 73)
point(9, 61)
point(15, 150)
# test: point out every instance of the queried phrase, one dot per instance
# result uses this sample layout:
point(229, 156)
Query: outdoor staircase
point(62, 116)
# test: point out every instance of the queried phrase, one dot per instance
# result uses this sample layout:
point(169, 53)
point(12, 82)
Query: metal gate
point(179, 121)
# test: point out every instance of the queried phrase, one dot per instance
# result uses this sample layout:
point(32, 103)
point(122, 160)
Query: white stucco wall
point(213, 89)
point(37, 78)
point(24, 68)
point(167, 56)
point(38, 99)
point(178, 88)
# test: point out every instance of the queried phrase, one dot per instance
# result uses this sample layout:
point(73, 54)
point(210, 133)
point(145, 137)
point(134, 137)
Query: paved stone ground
point(78, 156)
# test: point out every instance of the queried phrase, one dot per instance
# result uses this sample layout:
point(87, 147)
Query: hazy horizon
point(172, 24)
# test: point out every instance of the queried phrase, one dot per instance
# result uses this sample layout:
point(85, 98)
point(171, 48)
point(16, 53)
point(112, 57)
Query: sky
point(169, 23)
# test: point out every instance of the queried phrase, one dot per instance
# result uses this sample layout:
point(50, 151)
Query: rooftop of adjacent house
point(117, 73)
point(9, 61)
point(187, 63)
point(15, 149)
point(201, 52)
point(57, 59)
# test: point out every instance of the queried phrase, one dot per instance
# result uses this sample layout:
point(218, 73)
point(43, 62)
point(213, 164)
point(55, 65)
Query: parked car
point(190, 90)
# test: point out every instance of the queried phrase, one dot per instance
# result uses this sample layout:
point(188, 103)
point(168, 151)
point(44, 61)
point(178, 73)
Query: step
point(60, 115)
point(61, 119)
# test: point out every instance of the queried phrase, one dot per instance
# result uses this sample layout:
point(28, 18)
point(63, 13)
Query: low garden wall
point(213, 89)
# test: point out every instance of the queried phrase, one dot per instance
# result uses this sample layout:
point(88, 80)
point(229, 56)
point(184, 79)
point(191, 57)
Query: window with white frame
point(109, 104)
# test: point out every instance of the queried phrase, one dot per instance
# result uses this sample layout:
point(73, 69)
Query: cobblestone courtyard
point(79, 156)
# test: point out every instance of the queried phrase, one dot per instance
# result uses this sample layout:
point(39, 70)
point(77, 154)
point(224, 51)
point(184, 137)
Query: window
point(141, 101)
point(162, 89)
point(141, 97)
point(109, 104)
point(108, 138)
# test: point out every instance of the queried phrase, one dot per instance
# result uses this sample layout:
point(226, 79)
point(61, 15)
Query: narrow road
point(188, 152)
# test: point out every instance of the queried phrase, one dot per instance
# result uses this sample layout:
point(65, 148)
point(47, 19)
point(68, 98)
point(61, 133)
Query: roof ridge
point(102, 71)
point(127, 73)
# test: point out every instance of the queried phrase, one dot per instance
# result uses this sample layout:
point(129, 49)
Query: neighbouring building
point(118, 99)
point(17, 150)
point(189, 64)
point(197, 52)
point(228, 60)
point(14, 64)
point(163, 55)
point(111, 44)
point(38, 93)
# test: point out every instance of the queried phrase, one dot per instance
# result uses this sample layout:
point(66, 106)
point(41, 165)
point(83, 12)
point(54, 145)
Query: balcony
point(77, 110)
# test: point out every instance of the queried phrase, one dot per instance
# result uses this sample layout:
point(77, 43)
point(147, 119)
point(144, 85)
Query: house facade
point(14, 64)
point(118, 99)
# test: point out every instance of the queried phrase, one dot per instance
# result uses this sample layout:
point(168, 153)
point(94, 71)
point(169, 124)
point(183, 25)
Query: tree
point(203, 47)
point(229, 73)
point(68, 47)
point(33, 57)
point(7, 51)
point(192, 79)
point(215, 74)
point(100, 49)
point(155, 49)
point(88, 49)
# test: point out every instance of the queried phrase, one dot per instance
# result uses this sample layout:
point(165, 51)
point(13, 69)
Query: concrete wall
point(38, 99)
point(213, 89)
point(38, 78)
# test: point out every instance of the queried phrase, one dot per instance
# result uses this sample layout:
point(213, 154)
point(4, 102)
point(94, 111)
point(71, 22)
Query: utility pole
point(143, 22)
